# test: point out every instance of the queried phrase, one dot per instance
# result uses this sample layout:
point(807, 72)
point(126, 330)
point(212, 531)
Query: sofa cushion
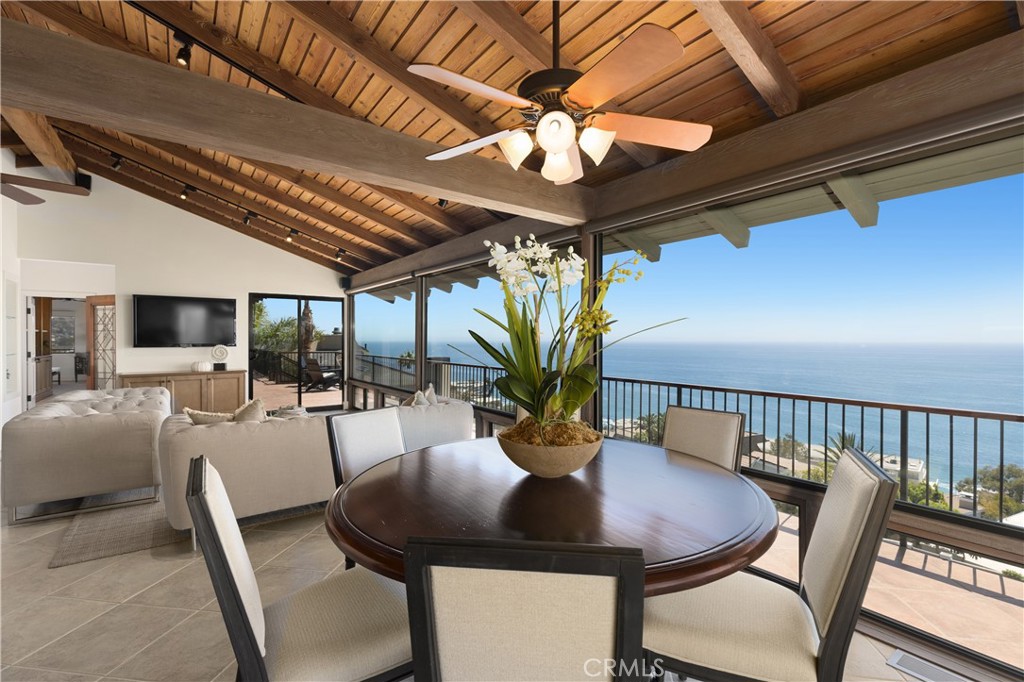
point(198, 417)
point(251, 411)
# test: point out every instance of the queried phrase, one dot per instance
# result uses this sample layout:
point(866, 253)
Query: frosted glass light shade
point(596, 143)
point(557, 166)
point(575, 163)
point(516, 148)
point(556, 132)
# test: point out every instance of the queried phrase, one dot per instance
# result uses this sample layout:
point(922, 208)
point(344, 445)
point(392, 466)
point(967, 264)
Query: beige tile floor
point(151, 615)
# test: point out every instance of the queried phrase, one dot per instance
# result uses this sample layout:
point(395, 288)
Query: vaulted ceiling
point(337, 190)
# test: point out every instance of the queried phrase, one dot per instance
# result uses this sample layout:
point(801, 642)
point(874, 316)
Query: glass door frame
point(254, 297)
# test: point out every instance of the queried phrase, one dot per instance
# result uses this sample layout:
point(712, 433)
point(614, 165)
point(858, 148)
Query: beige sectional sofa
point(83, 443)
point(266, 466)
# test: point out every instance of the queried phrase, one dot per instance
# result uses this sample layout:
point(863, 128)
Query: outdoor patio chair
point(516, 610)
point(352, 626)
point(708, 434)
point(317, 379)
point(744, 627)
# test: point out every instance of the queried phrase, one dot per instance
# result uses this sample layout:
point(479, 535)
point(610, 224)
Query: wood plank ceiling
point(746, 65)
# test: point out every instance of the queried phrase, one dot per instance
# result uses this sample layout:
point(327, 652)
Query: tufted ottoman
point(83, 443)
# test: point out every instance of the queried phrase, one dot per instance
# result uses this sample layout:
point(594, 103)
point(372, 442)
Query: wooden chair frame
point(626, 564)
point(835, 645)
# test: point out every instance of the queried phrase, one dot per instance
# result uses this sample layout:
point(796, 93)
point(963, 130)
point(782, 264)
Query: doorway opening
point(296, 351)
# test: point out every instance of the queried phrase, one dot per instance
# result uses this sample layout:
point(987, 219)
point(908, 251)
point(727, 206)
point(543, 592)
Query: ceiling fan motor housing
point(546, 87)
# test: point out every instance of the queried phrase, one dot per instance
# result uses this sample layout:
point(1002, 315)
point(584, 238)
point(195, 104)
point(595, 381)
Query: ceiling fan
point(561, 106)
point(9, 189)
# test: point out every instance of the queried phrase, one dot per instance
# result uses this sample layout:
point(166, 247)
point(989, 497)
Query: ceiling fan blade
point(646, 51)
point(455, 80)
point(20, 195)
point(659, 132)
point(81, 187)
point(472, 145)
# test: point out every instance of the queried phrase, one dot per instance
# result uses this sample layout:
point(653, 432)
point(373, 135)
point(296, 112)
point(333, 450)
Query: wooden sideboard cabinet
point(207, 391)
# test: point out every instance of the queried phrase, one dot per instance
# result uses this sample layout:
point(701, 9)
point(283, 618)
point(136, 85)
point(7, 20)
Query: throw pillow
point(408, 402)
point(252, 411)
point(430, 395)
point(199, 417)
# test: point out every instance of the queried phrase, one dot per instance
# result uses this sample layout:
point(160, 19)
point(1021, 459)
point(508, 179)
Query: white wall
point(13, 333)
point(154, 248)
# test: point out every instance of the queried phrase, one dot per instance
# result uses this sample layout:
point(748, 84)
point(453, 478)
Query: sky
point(940, 267)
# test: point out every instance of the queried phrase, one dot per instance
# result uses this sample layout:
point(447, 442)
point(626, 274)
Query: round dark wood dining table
point(696, 522)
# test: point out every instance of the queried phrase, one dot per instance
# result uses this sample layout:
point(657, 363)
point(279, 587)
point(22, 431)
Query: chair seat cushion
point(741, 624)
point(348, 627)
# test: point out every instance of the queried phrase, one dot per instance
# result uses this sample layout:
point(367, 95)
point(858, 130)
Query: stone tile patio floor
point(151, 615)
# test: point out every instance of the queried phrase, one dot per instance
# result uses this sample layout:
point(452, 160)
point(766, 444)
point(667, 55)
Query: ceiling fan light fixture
point(575, 164)
point(595, 143)
point(557, 167)
point(516, 148)
point(556, 132)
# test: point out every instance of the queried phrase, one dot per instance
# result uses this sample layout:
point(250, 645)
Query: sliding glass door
point(296, 351)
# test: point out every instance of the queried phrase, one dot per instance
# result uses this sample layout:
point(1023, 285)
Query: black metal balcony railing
point(945, 459)
point(386, 370)
point(283, 367)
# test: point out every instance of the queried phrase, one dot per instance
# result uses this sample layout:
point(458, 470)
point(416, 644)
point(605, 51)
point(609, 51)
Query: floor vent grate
point(921, 669)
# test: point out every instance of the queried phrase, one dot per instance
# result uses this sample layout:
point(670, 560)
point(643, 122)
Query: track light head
point(185, 190)
point(442, 203)
point(339, 254)
point(292, 234)
point(116, 165)
point(184, 56)
point(249, 215)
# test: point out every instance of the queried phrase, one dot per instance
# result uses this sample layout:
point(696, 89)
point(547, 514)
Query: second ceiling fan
point(561, 106)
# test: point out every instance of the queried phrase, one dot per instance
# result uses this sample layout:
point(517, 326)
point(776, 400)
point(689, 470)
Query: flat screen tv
point(179, 321)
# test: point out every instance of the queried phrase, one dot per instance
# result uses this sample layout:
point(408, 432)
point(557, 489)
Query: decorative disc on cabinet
point(219, 353)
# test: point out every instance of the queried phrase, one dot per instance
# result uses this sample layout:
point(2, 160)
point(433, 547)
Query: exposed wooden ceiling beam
point(726, 223)
point(274, 194)
point(360, 45)
point(975, 90)
point(431, 212)
point(227, 46)
point(746, 42)
point(70, 79)
point(181, 175)
point(161, 189)
point(78, 24)
point(349, 203)
point(502, 22)
point(856, 196)
point(38, 135)
point(640, 242)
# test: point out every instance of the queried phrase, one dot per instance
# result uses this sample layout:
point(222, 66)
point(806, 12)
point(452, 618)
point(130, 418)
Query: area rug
point(109, 532)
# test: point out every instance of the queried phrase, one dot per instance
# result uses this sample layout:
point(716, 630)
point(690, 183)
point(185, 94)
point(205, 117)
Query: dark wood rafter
point(36, 133)
point(225, 45)
point(274, 194)
point(77, 138)
point(745, 41)
point(503, 23)
point(348, 37)
point(161, 188)
point(72, 79)
point(321, 189)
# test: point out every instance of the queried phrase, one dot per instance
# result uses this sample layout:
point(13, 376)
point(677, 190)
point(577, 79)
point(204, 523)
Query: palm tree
point(843, 440)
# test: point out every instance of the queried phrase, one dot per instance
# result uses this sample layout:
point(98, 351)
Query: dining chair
point(709, 434)
point(352, 626)
point(744, 627)
point(361, 439)
point(517, 610)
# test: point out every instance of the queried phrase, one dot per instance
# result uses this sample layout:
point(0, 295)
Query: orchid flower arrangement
point(538, 285)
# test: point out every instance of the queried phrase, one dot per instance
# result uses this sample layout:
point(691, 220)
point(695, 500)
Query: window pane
point(385, 337)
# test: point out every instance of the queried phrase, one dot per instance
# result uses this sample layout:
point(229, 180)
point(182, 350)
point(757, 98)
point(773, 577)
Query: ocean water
point(987, 378)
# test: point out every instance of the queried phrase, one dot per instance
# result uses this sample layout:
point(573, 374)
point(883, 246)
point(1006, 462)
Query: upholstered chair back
point(708, 434)
point(524, 611)
point(234, 581)
point(359, 440)
point(843, 547)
